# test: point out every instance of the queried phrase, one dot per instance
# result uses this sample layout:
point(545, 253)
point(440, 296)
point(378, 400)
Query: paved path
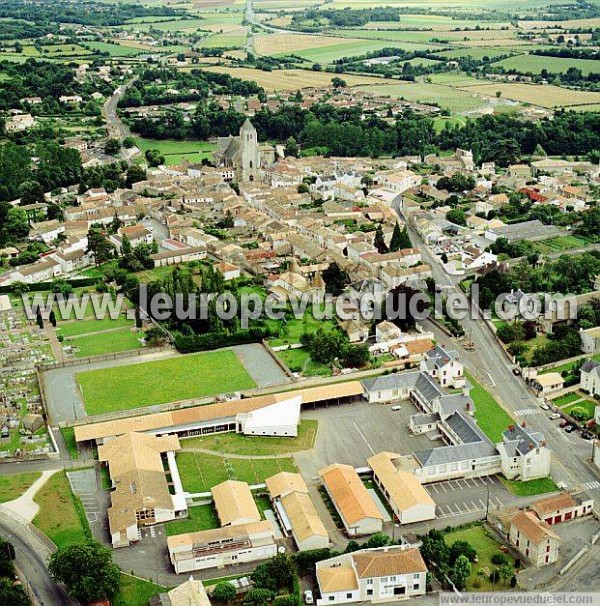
point(219, 453)
point(24, 505)
point(260, 365)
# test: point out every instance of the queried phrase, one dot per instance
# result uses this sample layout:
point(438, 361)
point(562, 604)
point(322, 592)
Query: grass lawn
point(175, 151)
point(12, 487)
point(588, 406)
point(561, 243)
point(74, 328)
point(200, 472)
point(237, 443)
point(168, 380)
point(530, 488)
point(68, 434)
point(105, 342)
point(294, 328)
point(486, 548)
point(61, 516)
point(490, 416)
point(299, 360)
point(136, 592)
point(202, 517)
point(566, 399)
point(567, 366)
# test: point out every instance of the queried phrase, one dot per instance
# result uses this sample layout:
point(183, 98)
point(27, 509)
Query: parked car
point(516, 372)
point(544, 406)
point(564, 423)
point(570, 428)
point(587, 435)
point(554, 416)
point(308, 597)
point(396, 408)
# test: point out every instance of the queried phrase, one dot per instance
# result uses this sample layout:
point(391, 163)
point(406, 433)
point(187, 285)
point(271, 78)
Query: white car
point(308, 597)
point(396, 408)
point(544, 406)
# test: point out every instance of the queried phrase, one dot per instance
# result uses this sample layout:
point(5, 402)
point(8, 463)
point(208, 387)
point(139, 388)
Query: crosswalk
point(591, 485)
point(524, 412)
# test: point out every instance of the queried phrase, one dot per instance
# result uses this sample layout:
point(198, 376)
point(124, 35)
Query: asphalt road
point(489, 364)
point(115, 126)
point(31, 556)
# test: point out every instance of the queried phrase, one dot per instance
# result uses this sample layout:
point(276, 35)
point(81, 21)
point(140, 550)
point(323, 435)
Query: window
point(348, 596)
point(417, 576)
point(393, 579)
point(331, 598)
point(369, 581)
point(369, 592)
point(416, 587)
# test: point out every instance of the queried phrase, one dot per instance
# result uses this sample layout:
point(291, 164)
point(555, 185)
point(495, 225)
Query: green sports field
point(176, 151)
point(168, 380)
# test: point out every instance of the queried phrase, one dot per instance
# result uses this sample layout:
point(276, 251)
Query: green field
point(230, 40)
point(100, 343)
point(74, 328)
point(555, 65)
point(115, 50)
point(54, 498)
point(329, 54)
point(136, 592)
point(299, 360)
point(491, 417)
point(201, 517)
point(200, 472)
point(588, 406)
point(176, 151)
point(486, 547)
point(239, 444)
point(560, 243)
point(530, 488)
point(12, 487)
point(566, 399)
point(420, 92)
point(168, 380)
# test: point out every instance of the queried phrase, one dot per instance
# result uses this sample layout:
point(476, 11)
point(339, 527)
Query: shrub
point(498, 559)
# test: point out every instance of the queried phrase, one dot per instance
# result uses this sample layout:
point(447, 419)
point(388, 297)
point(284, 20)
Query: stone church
point(244, 154)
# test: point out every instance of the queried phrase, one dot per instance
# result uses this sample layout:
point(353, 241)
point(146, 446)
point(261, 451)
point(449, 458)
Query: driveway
point(260, 365)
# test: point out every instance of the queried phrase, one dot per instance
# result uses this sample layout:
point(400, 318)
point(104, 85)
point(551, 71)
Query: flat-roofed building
point(409, 501)
point(234, 503)
point(141, 495)
point(562, 507)
point(352, 500)
point(222, 547)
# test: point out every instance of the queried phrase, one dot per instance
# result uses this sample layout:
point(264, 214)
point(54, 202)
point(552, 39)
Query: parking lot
point(468, 496)
point(351, 433)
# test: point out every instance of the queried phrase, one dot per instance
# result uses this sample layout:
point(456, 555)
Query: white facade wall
point(212, 560)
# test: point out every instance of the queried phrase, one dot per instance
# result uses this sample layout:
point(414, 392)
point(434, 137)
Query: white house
point(445, 366)
point(380, 575)
point(590, 377)
point(590, 340)
point(524, 454)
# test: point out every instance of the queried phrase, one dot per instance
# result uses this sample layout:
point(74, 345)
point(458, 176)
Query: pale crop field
point(293, 79)
point(543, 95)
point(276, 44)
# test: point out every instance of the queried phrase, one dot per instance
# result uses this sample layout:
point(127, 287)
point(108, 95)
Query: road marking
point(443, 487)
point(524, 412)
point(591, 485)
point(490, 376)
point(360, 433)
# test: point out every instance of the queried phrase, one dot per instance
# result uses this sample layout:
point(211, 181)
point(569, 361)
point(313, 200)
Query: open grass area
point(567, 366)
point(136, 592)
point(114, 50)
point(12, 487)
point(530, 488)
point(201, 517)
point(176, 151)
point(176, 378)
point(292, 79)
point(587, 407)
point(61, 516)
point(490, 416)
point(560, 243)
point(68, 434)
point(237, 443)
point(112, 341)
point(567, 399)
point(294, 328)
point(200, 472)
point(299, 360)
point(486, 547)
point(74, 328)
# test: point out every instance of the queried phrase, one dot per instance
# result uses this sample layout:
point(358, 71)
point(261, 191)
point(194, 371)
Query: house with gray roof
point(590, 377)
point(524, 454)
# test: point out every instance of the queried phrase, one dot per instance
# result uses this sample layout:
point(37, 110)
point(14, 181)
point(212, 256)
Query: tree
point(303, 188)
point(224, 592)
point(379, 242)
point(338, 82)
point(12, 594)
point(457, 216)
point(460, 572)
point(31, 192)
point(87, 570)
point(356, 356)
point(112, 147)
point(283, 570)
point(259, 597)
point(506, 572)
point(154, 157)
point(336, 279)
point(291, 147)
point(135, 174)
point(99, 246)
point(463, 548)
point(400, 239)
point(434, 549)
